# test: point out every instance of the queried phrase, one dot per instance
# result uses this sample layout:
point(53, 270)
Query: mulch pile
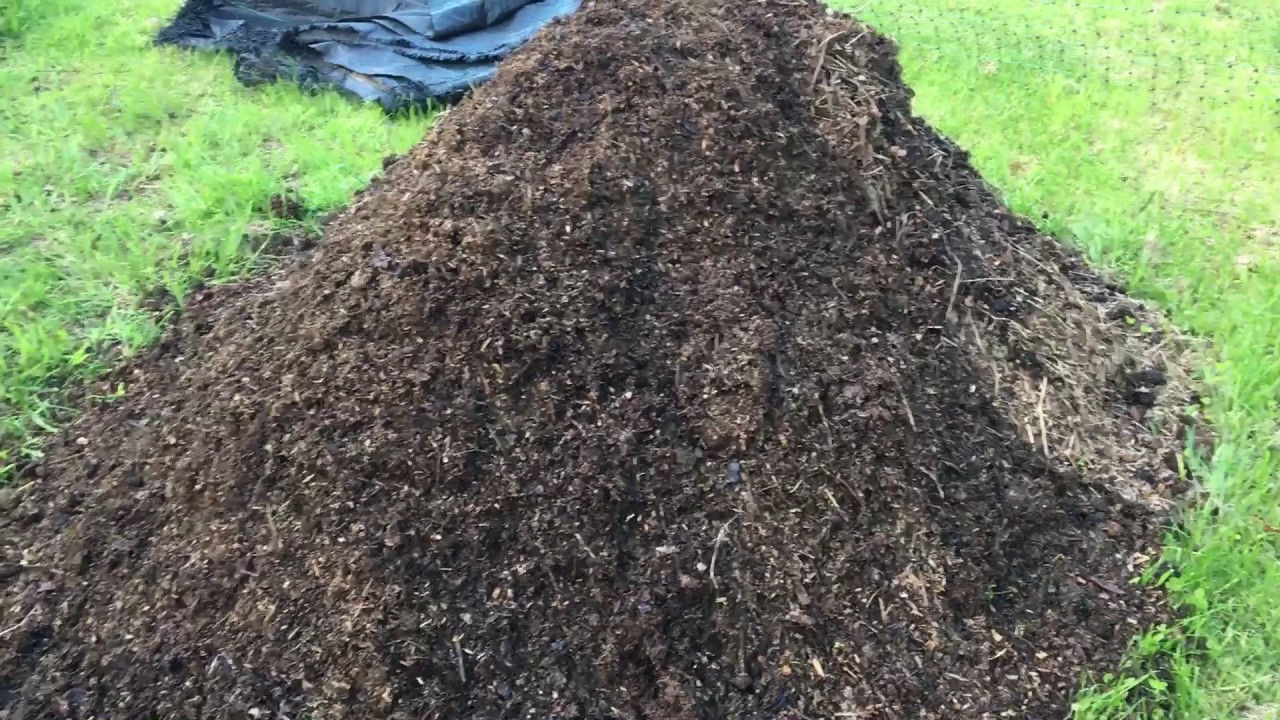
point(681, 373)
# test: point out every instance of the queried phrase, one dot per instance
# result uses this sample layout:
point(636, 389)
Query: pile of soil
point(681, 373)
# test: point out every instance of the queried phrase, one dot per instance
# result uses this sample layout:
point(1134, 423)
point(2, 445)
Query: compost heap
point(680, 373)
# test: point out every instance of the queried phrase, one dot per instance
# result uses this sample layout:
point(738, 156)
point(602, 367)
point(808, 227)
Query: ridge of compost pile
point(680, 374)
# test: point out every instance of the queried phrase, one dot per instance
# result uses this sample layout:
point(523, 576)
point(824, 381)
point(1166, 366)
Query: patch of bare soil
point(680, 373)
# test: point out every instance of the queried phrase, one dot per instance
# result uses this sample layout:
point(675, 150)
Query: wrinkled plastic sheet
point(399, 53)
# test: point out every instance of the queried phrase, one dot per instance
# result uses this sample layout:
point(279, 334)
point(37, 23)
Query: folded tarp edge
point(398, 53)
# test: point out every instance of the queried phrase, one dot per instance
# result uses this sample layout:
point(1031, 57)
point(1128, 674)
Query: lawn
point(1147, 134)
point(130, 174)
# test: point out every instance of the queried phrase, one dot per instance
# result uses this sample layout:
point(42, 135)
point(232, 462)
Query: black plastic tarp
point(400, 53)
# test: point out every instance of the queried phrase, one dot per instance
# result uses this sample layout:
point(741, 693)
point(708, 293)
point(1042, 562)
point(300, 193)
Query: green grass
point(127, 170)
point(1150, 138)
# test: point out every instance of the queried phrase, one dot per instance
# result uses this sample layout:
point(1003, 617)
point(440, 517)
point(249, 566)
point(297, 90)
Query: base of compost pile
point(680, 374)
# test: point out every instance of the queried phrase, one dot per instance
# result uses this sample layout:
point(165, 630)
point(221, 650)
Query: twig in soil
point(822, 59)
point(584, 545)
point(742, 651)
point(1028, 256)
point(40, 566)
point(937, 485)
point(832, 498)
point(977, 336)
point(275, 531)
point(826, 426)
point(1044, 433)
point(462, 668)
point(715, 551)
point(21, 622)
point(911, 419)
point(1105, 585)
point(955, 286)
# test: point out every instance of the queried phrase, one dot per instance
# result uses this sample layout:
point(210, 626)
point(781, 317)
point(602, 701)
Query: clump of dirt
point(680, 374)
